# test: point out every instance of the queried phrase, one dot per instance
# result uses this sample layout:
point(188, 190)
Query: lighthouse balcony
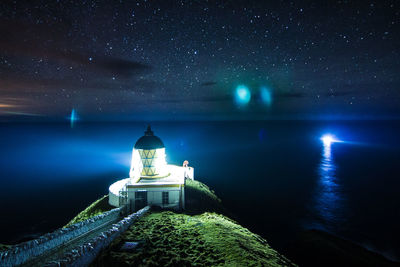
point(166, 191)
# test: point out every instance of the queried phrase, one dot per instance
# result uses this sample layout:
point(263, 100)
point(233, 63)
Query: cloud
point(14, 85)
point(7, 105)
point(16, 105)
point(289, 95)
point(209, 83)
point(194, 99)
point(112, 65)
point(28, 44)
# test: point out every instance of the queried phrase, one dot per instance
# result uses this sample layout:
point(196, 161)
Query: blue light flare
point(73, 118)
point(242, 95)
point(266, 95)
point(328, 139)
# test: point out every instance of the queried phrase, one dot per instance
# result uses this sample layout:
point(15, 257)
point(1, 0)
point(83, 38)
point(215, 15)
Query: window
point(165, 198)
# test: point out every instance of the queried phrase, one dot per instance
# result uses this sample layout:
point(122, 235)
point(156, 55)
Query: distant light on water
point(328, 139)
point(242, 95)
point(329, 200)
point(73, 118)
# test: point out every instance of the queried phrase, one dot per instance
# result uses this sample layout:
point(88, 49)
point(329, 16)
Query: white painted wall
point(188, 172)
point(154, 196)
point(113, 191)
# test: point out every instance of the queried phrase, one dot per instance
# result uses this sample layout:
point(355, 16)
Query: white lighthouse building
point(151, 180)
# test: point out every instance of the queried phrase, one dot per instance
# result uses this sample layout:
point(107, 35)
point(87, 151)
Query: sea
point(278, 178)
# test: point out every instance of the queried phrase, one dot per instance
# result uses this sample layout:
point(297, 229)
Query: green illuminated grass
point(199, 236)
point(209, 239)
point(98, 207)
point(200, 198)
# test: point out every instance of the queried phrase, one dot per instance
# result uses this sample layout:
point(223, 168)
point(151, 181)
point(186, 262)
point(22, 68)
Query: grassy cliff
point(200, 236)
point(200, 198)
point(99, 206)
point(204, 235)
point(172, 239)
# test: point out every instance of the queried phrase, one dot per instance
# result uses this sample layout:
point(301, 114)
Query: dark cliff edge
point(319, 248)
point(4, 247)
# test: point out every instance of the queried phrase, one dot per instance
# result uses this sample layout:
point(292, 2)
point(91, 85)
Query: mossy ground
point(98, 207)
point(197, 237)
point(209, 239)
point(200, 198)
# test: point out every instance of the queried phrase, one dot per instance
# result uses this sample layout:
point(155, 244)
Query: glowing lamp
point(148, 157)
point(328, 139)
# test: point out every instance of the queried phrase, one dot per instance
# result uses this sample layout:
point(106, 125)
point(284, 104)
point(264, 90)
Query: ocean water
point(277, 177)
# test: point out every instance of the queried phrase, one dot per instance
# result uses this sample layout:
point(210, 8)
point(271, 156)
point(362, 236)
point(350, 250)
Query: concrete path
point(59, 252)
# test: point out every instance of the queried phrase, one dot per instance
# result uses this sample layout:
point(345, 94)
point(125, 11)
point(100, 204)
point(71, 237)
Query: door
point(140, 199)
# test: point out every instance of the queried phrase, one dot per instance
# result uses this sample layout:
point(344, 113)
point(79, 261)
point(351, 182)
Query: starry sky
point(207, 60)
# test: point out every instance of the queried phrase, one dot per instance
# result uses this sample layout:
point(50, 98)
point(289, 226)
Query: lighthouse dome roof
point(149, 141)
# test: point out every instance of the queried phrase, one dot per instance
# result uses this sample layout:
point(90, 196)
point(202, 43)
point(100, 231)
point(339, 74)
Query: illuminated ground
point(201, 236)
point(209, 239)
point(99, 206)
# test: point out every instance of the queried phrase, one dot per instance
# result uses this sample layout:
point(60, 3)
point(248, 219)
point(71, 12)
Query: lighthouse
point(152, 181)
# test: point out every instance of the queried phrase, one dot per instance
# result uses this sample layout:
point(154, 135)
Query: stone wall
point(87, 253)
point(23, 252)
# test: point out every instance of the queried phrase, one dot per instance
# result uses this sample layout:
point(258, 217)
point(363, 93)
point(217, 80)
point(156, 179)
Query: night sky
point(129, 60)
